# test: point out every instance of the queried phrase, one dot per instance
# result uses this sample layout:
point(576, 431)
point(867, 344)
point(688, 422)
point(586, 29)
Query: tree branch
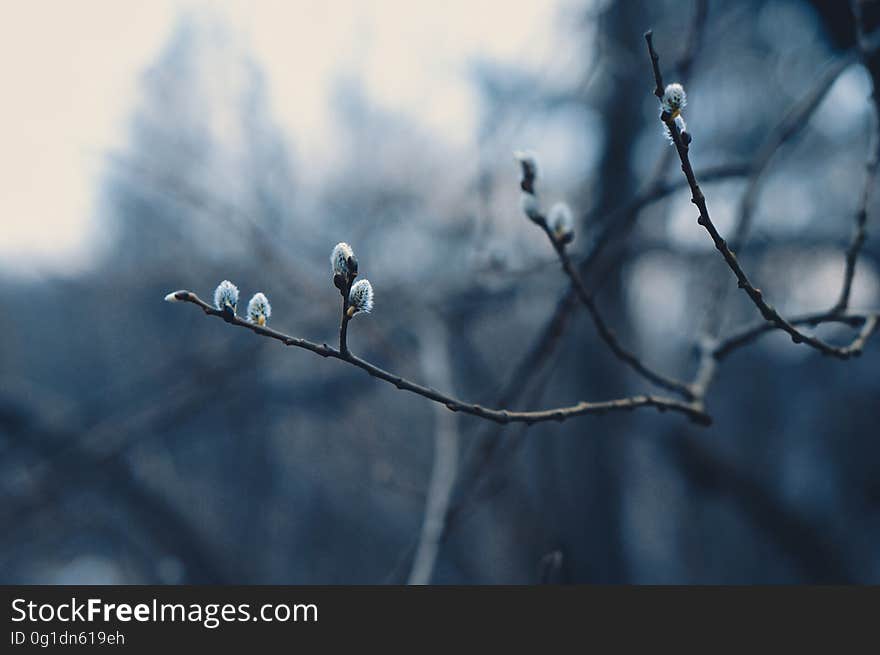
point(608, 336)
point(743, 336)
point(694, 412)
point(343, 321)
point(859, 233)
point(767, 311)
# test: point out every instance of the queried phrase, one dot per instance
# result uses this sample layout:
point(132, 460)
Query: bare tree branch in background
point(859, 233)
point(808, 545)
point(436, 363)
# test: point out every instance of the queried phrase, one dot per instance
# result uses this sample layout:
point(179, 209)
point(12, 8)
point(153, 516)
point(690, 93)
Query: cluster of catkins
point(226, 300)
point(345, 269)
point(673, 101)
point(559, 219)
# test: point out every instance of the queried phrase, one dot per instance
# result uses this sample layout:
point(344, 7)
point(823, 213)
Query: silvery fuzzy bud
point(344, 265)
point(674, 99)
point(531, 206)
point(360, 298)
point(226, 296)
point(561, 222)
point(259, 310)
point(343, 261)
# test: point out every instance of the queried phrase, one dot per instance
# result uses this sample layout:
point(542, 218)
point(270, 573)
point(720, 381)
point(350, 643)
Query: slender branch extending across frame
point(767, 311)
point(712, 351)
point(661, 403)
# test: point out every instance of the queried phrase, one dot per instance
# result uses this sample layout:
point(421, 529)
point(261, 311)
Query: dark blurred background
point(143, 443)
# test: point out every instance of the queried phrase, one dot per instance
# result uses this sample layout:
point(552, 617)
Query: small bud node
point(174, 296)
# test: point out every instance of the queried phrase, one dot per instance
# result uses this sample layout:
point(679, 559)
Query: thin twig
point(795, 119)
point(608, 336)
point(622, 219)
point(712, 351)
point(344, 319)
point(695, 413)
point(871, 165)
point(748, 334)
point(859, 233)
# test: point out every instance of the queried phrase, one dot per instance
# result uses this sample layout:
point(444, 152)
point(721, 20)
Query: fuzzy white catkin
point(674, 98)
point(560, 220)
point(259, 310)
point(226, 295)
point(361, 296)
point(339, 258)
point(530, 205)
